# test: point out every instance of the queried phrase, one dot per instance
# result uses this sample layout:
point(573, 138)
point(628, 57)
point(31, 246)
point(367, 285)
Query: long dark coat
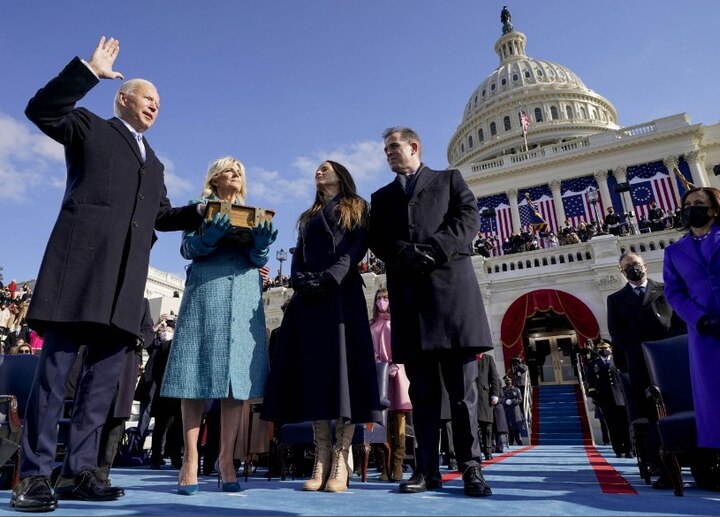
point(632, 320)
point(95, 265)
point(442, 310)
point(131, 365)
point(488, 384)
point(324, 362)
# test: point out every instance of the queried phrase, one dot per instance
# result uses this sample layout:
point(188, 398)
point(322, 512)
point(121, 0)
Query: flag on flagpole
point(524, 121)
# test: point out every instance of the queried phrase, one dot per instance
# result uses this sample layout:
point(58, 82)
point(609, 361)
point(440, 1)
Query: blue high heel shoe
point(188, 489)
point(233, 486)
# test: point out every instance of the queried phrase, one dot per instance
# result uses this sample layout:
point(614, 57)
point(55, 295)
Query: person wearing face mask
point(636, 313)
point(692, 286)
point(398, 385)
point(604, 387)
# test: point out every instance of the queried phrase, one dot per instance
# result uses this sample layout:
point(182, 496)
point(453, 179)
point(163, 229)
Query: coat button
point(412, 225)
point(142, 171)
point(135, 224)
point(412, 203)
point(141, 196)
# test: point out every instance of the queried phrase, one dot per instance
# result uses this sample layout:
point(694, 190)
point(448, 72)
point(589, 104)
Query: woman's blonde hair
point(351, 209)
point(215, 169)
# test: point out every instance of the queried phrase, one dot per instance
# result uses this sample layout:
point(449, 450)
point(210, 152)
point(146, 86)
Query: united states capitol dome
point(558, 105)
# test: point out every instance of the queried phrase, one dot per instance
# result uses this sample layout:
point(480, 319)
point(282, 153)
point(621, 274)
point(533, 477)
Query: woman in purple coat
point(692, 286)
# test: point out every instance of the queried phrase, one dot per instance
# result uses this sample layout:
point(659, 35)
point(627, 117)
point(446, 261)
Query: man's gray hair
point(128, 87)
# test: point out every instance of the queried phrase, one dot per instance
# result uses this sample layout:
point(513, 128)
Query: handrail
point(581, 381)
point(527, 403)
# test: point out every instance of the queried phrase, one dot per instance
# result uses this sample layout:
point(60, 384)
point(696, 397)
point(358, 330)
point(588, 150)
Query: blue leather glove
point(264, 235)
point(213, 231)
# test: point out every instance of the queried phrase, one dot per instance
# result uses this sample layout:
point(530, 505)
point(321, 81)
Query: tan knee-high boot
point(323, 456)
point(340, 475)
point(398, 444)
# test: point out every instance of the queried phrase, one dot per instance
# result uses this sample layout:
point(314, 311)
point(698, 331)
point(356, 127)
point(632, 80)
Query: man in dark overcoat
point(422, 226)
point(605, 388)
point(92, 277)
point(488, 384)
point(636, 313)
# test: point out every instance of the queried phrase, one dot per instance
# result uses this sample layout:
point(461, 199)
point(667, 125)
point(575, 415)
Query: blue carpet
point(542, 480)
point(558, 416)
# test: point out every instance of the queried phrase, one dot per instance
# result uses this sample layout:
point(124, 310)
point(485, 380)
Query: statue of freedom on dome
point(505, 18)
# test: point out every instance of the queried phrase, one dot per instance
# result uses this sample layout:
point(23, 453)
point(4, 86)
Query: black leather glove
point(311, 283)
point(417, 258)
point(709, 325)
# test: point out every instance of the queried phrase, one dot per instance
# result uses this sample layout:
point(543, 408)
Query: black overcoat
point(488, 384)
point(633, 320)
point(324, 362)
point(96, 262)
point(444, 309)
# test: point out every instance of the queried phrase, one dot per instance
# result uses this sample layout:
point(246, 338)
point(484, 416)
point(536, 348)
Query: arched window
point(553, 113)
point(593, 114)
point(538, 115)
point(583, 114)
point(506, 123)
point(462, 148)
point(493, 129)
point(569, 111)
point(481, 136)
point(470, 142)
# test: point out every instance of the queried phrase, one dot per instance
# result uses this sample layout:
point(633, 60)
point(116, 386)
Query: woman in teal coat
point(219, 350)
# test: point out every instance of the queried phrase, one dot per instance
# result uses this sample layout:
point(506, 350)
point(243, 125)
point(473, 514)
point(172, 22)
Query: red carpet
point(610, 481)
point(487, 463)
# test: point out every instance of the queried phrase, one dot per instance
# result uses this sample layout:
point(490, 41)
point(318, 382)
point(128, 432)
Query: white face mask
point(166, 335)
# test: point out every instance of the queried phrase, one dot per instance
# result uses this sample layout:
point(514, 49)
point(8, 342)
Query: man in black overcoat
point(422, 226)
point(92, 277)
point(636, 313)
point(488, 384)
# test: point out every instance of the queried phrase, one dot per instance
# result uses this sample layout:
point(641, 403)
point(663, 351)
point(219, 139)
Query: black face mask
point(634, 273)
point(605, 352)
point(696, 216)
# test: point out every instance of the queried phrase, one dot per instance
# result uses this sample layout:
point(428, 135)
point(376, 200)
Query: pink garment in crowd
point(36, 342)
point(399, 383)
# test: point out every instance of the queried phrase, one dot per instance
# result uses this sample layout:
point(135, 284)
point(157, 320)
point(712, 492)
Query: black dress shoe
point(474, 483)
point(452, 464)
point(662, 483)
point(86, 487)
point(33, 494)
point(488, 456)
point(419, 482)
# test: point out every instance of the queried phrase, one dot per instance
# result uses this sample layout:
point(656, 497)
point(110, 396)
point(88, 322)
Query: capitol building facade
point(534, 137)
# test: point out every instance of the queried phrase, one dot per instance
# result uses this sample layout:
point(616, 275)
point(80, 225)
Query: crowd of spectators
point(530, 239)
point(15, 335)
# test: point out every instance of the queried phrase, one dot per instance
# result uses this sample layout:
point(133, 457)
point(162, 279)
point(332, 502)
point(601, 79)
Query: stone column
point(671, 163)
point(559, 207)
point(601, 178)
point(512, 197)
point(696, 162)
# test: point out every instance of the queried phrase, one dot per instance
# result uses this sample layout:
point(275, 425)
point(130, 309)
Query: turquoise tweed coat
point(219, 349)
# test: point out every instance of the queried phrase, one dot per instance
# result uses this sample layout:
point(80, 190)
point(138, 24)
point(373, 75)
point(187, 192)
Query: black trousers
point(459, 372)
point(98, 380)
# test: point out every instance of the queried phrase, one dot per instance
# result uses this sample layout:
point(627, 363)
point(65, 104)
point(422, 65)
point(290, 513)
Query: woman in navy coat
point(691, 272)
point(324, 366)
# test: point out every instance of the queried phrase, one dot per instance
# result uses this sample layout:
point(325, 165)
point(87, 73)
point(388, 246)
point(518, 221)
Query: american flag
point(524, 121)
point(501, 223)
point(650, 182)
point(543, 202)
point(574, 195)
point(265, 274)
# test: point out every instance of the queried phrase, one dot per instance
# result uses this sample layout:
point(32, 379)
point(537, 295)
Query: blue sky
point(285, 84)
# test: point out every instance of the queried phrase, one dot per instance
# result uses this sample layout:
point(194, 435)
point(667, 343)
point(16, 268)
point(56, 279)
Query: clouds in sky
point(28, 160)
